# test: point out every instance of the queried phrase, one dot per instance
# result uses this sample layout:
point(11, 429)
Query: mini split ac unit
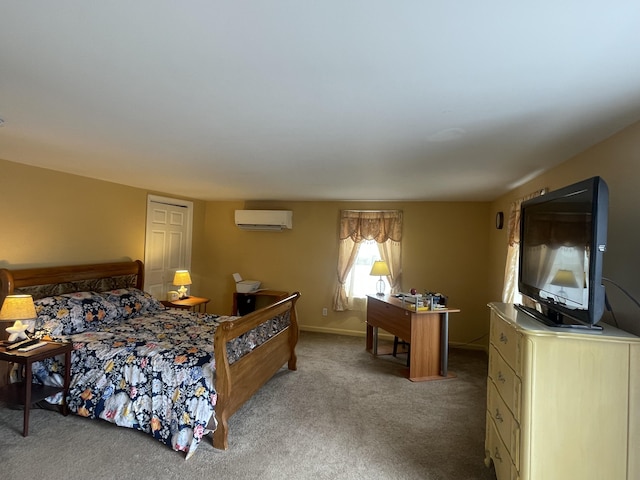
point(269, 220)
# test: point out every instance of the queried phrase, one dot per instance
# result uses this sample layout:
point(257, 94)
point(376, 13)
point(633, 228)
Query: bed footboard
point(237, 382)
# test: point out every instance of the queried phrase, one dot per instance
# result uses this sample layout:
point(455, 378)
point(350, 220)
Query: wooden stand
point(426, 331)
point(189, 303)
point(272, 296)
point(25, 392)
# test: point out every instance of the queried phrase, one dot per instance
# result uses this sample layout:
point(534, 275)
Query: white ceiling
point(323, 100)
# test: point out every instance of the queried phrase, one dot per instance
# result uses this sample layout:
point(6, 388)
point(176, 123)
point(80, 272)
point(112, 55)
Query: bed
point(174, 374)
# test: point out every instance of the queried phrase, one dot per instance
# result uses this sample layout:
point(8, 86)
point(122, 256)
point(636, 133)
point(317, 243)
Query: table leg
point(27, 399)
point(67, 383)
point(444, 344)
point(375, 340)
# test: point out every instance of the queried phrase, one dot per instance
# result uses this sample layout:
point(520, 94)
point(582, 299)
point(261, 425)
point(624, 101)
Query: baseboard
point(336, 331)
point(384, 336)
point(340, 331)
point(469, 346)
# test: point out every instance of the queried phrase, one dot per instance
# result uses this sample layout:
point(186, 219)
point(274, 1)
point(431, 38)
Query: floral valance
point(376, 225)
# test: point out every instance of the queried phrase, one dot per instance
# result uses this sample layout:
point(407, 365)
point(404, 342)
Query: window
point(360, 282)
point(366, 236)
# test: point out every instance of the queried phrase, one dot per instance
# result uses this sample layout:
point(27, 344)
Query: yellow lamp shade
point(182, 277)
point(18, 307)
point(380, 268)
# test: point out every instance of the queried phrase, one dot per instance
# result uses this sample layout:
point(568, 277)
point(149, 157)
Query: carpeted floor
point(343, 415)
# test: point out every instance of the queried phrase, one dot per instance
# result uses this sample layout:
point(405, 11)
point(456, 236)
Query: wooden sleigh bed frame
point(235, 383)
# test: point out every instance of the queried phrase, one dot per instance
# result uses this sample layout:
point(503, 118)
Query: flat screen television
point(563, 237)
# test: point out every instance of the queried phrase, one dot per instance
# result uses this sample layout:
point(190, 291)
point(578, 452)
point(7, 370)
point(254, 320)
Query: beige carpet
point(342, 415)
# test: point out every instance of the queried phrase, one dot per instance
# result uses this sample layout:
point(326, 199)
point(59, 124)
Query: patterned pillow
point(73, 313)
point(132, 302)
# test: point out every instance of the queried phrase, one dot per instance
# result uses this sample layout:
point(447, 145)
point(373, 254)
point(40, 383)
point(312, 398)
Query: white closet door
point(168, 243)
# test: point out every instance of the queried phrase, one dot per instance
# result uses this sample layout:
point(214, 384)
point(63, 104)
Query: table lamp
point(379, 269)
point(182, 278)
point(18, 308)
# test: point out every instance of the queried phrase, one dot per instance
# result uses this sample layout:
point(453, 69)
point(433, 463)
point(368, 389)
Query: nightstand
point(244, 303)
point(189, 303)
point(26, 393)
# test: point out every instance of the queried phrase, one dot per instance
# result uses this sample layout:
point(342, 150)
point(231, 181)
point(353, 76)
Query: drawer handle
point(499, 416)
point(501, 378)
point(503, 338)
point(497, 455)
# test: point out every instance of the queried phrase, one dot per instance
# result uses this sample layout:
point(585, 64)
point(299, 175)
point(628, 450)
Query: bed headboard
point(47, 281)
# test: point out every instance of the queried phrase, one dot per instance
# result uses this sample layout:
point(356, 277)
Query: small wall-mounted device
point(265, 220)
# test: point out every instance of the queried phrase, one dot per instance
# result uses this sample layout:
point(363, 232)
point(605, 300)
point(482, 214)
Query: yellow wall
point(51, 218)
point(617, 161)
point(444, 249)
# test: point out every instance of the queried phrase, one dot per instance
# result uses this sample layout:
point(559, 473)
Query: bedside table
point(189, 303)
point(26, 393)
point(244, 303)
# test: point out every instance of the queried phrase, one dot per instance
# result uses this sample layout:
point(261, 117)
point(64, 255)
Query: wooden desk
point(189, 303)
point(272, 296)
point(426, 331)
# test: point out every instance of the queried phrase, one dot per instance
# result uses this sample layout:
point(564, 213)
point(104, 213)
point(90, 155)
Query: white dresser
point(561, 405)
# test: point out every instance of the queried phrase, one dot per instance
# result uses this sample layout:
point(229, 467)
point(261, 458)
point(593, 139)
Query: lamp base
point(18, 331)
point(380, 287)
point(182, 293)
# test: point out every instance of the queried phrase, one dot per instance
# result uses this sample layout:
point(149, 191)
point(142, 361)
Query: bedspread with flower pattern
point(154, 373)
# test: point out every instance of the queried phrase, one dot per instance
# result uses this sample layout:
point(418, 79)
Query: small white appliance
point(245, 286)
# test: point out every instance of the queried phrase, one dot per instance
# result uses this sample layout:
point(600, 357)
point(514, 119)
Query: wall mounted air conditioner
point(269, 220)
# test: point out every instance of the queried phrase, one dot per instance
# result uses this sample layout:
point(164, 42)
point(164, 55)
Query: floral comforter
point(154, 372)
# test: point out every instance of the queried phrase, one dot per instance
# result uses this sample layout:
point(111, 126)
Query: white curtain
point(510, 292)
point(390, 252)
point(347, 253)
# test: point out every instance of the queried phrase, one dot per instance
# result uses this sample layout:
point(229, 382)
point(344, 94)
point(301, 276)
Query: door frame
point(151, 198)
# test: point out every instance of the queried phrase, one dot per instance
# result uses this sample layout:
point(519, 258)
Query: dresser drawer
point(504, 421)
point(506, 381)
point(496, 450)
point(508, 342)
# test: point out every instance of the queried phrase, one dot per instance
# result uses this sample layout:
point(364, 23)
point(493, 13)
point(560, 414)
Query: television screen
point(563, 239)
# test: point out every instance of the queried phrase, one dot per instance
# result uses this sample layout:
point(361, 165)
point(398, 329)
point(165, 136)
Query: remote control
point(32, 347)
point(23, 343)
